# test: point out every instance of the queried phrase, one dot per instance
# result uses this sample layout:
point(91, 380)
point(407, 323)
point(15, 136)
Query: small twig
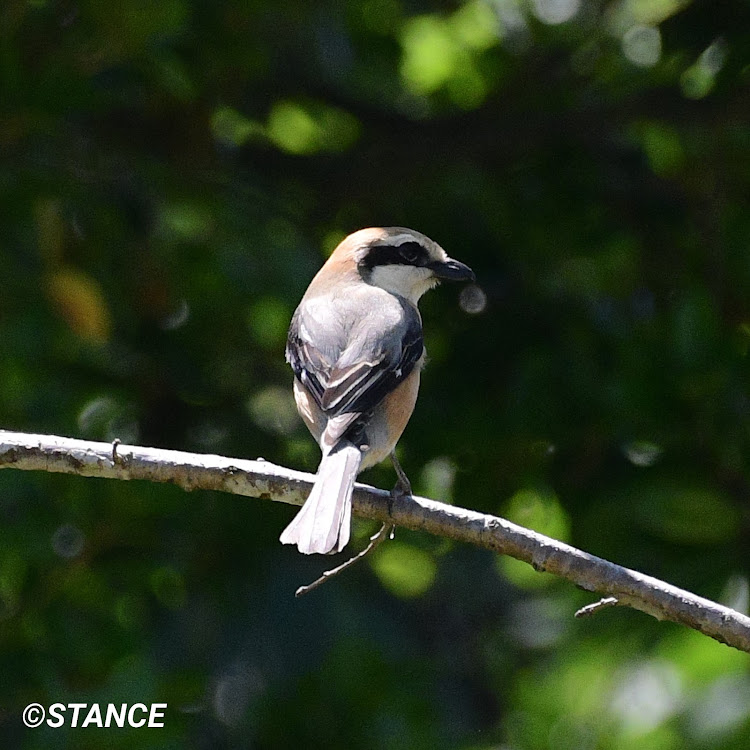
point(385, 530)
point(592, 609)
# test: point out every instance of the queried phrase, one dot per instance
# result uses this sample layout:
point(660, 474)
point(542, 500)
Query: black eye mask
point(406, 254)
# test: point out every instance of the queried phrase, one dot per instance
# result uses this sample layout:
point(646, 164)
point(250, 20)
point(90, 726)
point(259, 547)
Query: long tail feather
point(323, 523)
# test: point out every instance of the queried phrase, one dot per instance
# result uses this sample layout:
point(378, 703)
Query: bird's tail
point(323, 523)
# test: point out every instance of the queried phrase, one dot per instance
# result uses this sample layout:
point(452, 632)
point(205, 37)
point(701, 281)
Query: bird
point(356, 349)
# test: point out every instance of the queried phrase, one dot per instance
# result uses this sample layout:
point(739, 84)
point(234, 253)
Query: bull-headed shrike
point(355, 346)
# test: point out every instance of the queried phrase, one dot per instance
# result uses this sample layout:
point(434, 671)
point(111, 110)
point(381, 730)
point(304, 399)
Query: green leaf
point(404, 570)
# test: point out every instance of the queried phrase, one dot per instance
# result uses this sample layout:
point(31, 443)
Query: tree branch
point(264, 480)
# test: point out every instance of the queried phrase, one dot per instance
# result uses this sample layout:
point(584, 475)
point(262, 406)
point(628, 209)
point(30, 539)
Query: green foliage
point(172, 176)
point(405, 570)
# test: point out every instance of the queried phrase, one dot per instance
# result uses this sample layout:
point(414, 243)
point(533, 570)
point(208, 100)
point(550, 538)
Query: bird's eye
point(409, 251)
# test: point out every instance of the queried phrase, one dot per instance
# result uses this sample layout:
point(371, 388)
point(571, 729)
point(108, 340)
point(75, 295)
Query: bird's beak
point(452, 270)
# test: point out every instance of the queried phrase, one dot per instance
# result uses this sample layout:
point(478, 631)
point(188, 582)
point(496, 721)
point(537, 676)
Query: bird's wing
point(352, 379)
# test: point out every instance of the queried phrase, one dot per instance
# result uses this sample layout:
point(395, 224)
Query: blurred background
point(172, 174)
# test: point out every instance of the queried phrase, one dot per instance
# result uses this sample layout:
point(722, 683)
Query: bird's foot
point(402, 488)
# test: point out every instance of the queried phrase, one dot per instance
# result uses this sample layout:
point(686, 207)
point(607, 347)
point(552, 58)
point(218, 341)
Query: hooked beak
point(452, 270)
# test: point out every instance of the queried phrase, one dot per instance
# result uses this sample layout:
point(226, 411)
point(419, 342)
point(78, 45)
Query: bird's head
point(399, 260)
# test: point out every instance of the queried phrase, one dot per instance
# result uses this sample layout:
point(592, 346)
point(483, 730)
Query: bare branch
point(267, 481)
point(385, 530)
point(592, 609)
